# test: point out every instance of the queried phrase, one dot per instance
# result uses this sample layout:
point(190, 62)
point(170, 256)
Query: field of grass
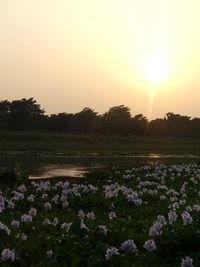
point(101, 144)
point(146, 216)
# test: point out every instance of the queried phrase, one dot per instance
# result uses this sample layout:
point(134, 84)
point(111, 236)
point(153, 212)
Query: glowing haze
point(69, 54)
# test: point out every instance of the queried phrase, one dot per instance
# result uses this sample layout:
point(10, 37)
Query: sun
point(156, 68)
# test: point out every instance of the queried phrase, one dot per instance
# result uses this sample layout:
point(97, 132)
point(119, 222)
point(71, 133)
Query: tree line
point(27, 115)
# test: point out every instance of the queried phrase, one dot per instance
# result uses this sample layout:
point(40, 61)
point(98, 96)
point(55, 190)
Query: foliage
point(143, 216)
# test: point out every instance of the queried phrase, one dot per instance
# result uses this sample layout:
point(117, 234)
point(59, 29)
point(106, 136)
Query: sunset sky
point(69, 54)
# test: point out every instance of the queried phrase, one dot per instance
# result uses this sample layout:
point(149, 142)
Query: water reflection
point(62, 170)
point(47, 165)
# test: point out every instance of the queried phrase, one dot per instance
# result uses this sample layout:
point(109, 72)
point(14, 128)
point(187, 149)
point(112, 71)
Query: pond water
point(62, 170)
point(48, 166)
point(79, 167)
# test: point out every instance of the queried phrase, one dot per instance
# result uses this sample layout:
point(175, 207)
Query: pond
point(62, 170)
point(46, 166)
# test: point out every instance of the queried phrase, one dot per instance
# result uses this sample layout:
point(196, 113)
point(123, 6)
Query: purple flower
point(8, 254)
point(128, 245)
point(111, 252)
point(187, 262)
point(150, 245)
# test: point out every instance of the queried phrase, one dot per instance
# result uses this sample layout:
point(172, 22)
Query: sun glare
point(156, 68)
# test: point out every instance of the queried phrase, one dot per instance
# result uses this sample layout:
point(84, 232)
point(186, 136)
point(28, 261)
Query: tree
point(139, 124)
point(25, 114)
point(4, 114)
point(86, 121)
point(61, 122)
point(117, 120)
point(177, 125)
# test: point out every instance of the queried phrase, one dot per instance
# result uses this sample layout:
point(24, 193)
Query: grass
point(71, 144)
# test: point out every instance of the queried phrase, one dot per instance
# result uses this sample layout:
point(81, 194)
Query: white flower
point(26, 218)
point(49, 254)
point(172, 216)
point(156, 229)
point(83, 226)
point(196, 207)
point(150, 245)
point(32, 212)
point(7, 254)
point(5, 228)
point(90, 215)
point(15, 223)
point(187, 262)
point(47, 206)
point(46, 222)
point(31, 198)
point(112, 215)
point(55, 221)
point(65, 204)
point(187, 218)
point(22, 188)
point(23, 237)
point(103, 229)
point(110, 252)
point(128, 245)
point(11, 205)
point(65, 226)
point(163, 197)
point(81, 214)
point(161, 219)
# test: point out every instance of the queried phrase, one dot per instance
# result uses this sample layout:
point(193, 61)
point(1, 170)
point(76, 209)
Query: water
point(62, 170)
point(46, 166)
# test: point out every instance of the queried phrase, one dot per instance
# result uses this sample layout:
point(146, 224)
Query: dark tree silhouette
point(61, 122)
point(26, 114)
point(4, 114)
point(86, 121)
point(139, 125)
point(117, 120)
point(177, 125)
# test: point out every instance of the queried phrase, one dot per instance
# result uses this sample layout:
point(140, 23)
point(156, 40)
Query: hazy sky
point(69, 54)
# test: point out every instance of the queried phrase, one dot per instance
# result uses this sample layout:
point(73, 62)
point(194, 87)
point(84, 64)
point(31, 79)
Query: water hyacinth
point(83, 226)
point(156, 229)
point(150, 245)
point(11, 205)
point(172, 216)
point(128, 246)
point(90, 215)
point(110, 252)
point(32, 212)
point(15, 223)
point(5, 228)
point(112, 215)
point(47, 206)
point(31, 198)
point(187, 262)
point(73, 217)
point(187, 218)
point(65, 226)
point(8, 255)
point(46, 222)
point(103, 229)
point(49, 254)
point(23, 237)
point(26, 218)
point(196, 207)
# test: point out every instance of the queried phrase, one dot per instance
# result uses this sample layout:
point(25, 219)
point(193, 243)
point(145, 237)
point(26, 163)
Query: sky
point(71, 54)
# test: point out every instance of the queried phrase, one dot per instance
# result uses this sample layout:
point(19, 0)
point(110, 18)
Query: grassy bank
point(83, 144)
